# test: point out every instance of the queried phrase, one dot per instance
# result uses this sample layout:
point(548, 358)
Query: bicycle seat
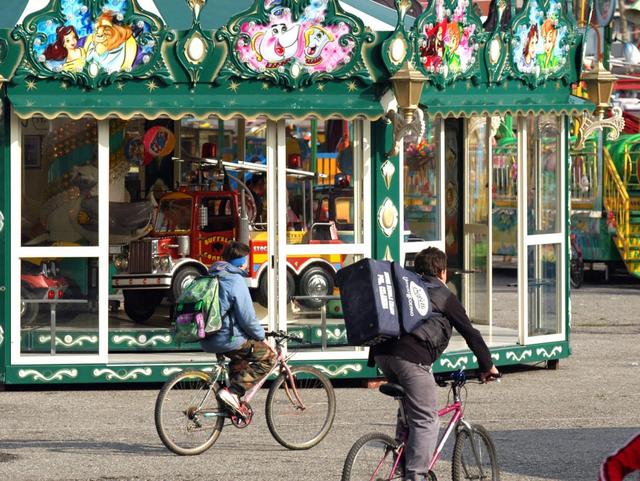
point(391, 389)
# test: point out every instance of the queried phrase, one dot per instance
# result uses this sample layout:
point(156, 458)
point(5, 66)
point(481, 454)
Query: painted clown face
point(277, 44)
point(315, 39)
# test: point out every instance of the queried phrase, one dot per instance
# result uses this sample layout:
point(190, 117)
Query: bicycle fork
point(474, 450)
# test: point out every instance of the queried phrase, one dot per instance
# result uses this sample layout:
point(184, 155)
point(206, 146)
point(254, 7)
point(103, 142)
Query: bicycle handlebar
point(459, 379)
point(281, 336)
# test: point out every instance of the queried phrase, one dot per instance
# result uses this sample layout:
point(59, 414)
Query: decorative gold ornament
point(388, 217)
point(388, 170)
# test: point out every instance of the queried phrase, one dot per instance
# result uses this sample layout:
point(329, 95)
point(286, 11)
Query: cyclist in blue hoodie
point(241, 337)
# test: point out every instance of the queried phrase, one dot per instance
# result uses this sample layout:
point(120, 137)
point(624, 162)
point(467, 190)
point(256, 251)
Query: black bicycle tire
point(357, 446)
point(328, 422)
point(462, 437)
point(162, 431)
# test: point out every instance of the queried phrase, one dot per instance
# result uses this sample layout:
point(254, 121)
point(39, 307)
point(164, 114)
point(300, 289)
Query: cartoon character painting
point(111, 45)
point(452, 57)
point(66, 49)
point(547, 60)
point(294, 44)
point(432, 47)
point(277, 45)
point(315, 40)
point(527, 61)
point(541, 38)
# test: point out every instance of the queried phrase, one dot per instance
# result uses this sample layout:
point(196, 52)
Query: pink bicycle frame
point(457, 410)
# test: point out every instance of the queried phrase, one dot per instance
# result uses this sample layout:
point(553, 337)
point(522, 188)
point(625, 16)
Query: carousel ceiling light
point(599, 84)
point(407, 84)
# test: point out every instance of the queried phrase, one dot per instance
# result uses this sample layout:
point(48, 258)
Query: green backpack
point(197, 310)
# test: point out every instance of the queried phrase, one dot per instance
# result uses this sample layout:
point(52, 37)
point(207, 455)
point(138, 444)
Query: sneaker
point(230, 399)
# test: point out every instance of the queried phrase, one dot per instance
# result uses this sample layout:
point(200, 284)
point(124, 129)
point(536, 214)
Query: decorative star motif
point(233, 86)
point(64, 85)
point(352, 86)
point(150, 103)
point(265, 85)
point(558, 86)
point(120, 86)
point(151, 85)
point(320, 87)
point(469, 86)
point(31, 85)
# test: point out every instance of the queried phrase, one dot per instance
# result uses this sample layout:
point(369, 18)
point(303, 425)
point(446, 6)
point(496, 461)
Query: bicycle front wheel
point(300, 409)
point(372, 458)
point(474, 456)
point(187, 415)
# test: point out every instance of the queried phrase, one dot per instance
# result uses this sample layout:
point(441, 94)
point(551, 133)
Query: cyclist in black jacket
point(407, 361)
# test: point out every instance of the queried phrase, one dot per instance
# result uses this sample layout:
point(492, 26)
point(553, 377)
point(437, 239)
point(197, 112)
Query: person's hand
point(266, 343)
point(491, 375)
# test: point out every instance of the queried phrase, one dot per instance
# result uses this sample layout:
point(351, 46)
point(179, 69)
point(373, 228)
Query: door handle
point(1, 221)
point(3, 288)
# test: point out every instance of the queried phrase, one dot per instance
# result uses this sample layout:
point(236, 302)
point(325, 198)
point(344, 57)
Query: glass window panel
point(59, 182)
point(193, 222)
point(320, 200)
point(478, 182)
point(305, 316)
point(543, 174)
point(421, 183)
point(59, 305)
point(544, 289)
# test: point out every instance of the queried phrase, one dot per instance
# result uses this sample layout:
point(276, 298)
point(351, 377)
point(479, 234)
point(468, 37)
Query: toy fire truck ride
point(192, 227)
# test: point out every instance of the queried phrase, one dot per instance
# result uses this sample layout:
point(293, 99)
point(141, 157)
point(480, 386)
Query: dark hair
point(57, 50)
point(234, 249)
point(532, 31)
point(430, 262)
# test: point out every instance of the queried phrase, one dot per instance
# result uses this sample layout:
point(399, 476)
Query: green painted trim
point(567, 213)
point(384, 246)
point(147, 98)
point(334, 369)
point(5, 234)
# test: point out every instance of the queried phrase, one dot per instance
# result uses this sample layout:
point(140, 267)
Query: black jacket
point(427, 342)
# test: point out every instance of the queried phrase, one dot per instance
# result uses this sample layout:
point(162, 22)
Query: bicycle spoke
point(373, 458)
point(300, 410)
point(180, 414)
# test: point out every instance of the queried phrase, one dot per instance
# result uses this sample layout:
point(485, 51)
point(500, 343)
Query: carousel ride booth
point(133, 152)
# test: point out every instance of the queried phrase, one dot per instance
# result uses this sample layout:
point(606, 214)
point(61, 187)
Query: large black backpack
point(381, 300)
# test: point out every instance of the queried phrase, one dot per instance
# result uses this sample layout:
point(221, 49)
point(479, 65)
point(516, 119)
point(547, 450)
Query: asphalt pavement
point(547, 424)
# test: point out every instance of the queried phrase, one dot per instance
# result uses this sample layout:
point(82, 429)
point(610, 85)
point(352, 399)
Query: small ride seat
point(391, 389)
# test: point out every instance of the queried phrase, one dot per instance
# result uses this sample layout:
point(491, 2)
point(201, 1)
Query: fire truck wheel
point(28, 310)
point(262, 294)
point(182, 279)
point(316, 281)
point(140, 305)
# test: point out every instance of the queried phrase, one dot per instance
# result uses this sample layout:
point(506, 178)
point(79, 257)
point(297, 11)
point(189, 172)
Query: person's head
point(431, 262)
point(549, 35)
point(235, 253)
point(454, 35)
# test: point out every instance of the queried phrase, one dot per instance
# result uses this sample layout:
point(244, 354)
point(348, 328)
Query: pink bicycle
point(378, 457)
point(300, 405)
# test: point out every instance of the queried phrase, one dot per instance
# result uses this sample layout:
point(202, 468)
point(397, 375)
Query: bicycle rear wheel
point(474, 456)
point(300, 410)
point(187, 415)
point(372, 458)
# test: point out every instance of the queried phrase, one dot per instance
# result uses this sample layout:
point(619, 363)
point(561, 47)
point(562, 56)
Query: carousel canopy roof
point(287, 58)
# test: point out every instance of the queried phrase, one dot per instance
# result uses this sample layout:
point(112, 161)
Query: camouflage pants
point(248, 364)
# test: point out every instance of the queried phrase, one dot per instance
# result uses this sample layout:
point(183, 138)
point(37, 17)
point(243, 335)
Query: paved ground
point(548, 425)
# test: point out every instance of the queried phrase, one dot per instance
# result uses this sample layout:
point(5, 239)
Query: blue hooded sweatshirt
point(241, 323)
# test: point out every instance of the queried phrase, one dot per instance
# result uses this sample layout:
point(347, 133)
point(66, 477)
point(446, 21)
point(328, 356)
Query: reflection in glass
point(58, 305)
point(421, 215)
point(477, 222)
point(320, 181)
point(543, 290)
point(543, 176)
point(59, 182)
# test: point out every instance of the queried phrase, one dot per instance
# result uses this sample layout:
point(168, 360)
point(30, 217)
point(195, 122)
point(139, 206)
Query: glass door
point(421, 190)
point(542, 260)
point(476, 273)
